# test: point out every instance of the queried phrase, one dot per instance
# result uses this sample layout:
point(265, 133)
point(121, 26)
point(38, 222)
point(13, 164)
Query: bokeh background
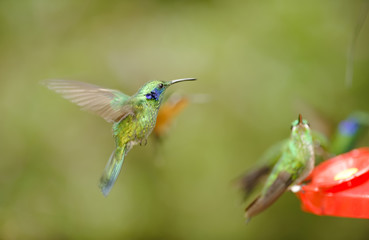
point(260, 63)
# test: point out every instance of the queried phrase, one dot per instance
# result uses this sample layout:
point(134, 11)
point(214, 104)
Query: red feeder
point(339, 186)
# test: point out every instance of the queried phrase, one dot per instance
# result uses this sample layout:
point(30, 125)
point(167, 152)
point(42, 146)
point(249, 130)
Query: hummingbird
point(133, 117)
point(294, 164)
point(349, 132)
point(257, 175)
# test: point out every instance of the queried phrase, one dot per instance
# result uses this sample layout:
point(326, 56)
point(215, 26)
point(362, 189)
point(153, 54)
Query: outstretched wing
point(107, 103)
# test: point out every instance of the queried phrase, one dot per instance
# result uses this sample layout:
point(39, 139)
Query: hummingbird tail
point(112, 170)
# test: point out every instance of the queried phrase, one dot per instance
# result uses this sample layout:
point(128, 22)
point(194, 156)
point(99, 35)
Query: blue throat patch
point(154, 94)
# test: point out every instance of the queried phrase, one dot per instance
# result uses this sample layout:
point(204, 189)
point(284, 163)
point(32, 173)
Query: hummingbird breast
point(307, 158)
point(135, 129)
point(145, 123)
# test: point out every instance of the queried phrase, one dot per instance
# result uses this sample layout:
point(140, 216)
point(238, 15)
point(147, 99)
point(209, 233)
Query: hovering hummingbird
point(133, 117)
point(293, 166)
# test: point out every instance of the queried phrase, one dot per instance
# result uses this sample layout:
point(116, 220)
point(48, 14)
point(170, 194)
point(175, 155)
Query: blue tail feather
point(112, 170)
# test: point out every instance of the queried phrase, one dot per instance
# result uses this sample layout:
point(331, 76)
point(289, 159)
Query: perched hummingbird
point(257, 175)
point(293, 166)
point(133, 117)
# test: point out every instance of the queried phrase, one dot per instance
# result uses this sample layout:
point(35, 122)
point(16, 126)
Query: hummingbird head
point(154, 90)
point(300, 125)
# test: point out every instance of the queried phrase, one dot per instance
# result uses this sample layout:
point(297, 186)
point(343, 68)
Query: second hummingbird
point(294, 165)
point(133, 117)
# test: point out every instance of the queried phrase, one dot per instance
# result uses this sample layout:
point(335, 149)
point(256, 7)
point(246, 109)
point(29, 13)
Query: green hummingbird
point(293, 166)
point(257, 175)
point(133, 117)
point(349, 132)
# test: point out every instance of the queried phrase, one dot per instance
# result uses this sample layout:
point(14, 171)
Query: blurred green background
point(261, 62)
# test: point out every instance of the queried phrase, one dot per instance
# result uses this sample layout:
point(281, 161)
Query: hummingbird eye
point(161, 85)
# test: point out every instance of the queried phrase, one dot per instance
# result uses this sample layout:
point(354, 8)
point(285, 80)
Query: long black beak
point(181, 80)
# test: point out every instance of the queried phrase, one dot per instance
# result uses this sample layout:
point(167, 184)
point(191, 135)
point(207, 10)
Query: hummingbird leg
point(143, 142)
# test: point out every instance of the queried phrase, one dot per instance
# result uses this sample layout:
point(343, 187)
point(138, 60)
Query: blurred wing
point(253, 178)
point(257, 175)
point(270, 195)
point(271, 156)
point(321, 146)
point(107, 103)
